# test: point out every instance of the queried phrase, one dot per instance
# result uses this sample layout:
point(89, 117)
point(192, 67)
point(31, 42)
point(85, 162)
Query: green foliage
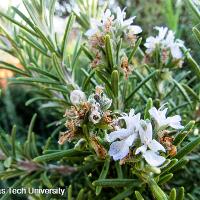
point(53, 69)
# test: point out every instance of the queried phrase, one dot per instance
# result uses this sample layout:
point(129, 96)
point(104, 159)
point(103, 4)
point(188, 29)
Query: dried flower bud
point(77, 96)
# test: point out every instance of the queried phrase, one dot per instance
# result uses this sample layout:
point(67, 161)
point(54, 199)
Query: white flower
point(162, 121)
point(152, 42)
point(174, 45)
point(121, 15)
point(95, 24)
point(162, 31)
point(77, 96)
point(127, 136)
point(166, 40)
point(150, 148)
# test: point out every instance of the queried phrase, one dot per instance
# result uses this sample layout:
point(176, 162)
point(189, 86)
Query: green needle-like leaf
point(135, 48)
point(115, 82)
point(103, 174)
point(127, 192)
point(109, 51)
point(60, 155)
point(148, 107)
point(138, 195)
point(187, 148)
point(140, 85)
point(66, 37)
point(157, 192)
point(172, 195)
point(13, 134)
point(115, 182)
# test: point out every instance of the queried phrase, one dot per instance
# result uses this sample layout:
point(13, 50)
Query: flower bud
point(77, 96)
point(95, 117)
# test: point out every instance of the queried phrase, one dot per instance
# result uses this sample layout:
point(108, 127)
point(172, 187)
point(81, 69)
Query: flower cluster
point(114, 24)
point(124, 139)
point(165, 46)
point(92, 110)
point(108, 23)
point(119, 29)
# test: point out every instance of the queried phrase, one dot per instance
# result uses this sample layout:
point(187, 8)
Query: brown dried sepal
point(125, 66)
point(98, 148)
point(96, 40)
point(173, 150)
point(107, 119)
point(126, 159)
point(77, 113)
point(108, 24)
point(66, 136)
point(84, 109)
point(167, 141)
point(164, 56)
point(70, 134)
point(96, 60)
point(72, 112)
point(99, 90)
point(132, 38)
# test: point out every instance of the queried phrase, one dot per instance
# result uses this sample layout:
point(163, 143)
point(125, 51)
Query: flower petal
point(176, 51)
point(132, 122)
point(131, 139)
point(156, 146)
point(161, 32)
point(159, 116)
point(128, 22)
point(135, 29)
point(141, 149)
point(145, 131)
point(95, 23)
point(154, 113)
point(118, 150)
point(153, 158)
point(91, 32)
point(119, 134)
point(175, 122)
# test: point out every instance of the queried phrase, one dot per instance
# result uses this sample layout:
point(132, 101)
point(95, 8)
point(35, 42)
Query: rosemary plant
point(125, 104)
